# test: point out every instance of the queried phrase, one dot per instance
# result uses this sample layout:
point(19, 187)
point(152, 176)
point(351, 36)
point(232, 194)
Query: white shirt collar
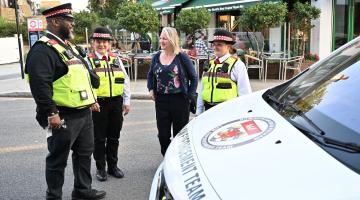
point(100, 56)
point(47, 31)
point(224, 57)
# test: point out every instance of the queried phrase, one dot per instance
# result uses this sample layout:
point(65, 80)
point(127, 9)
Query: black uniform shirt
point(44, 66)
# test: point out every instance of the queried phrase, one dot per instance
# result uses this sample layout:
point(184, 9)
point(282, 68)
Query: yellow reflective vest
point(74, 89)
point(217, 84)
point(112, 77)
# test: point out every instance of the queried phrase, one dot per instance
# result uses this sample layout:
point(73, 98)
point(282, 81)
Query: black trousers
point(207, 106)
point(172, 109)
point(107, 127)
point(79, 137)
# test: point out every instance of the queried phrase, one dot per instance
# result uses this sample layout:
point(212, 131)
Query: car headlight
point(163, 192)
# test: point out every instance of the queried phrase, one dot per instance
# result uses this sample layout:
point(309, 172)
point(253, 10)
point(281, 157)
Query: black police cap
point(223, 36)
point(102, 33)
point(63, 10)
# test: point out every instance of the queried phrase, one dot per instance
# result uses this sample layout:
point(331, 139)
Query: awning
point(221, 5)
point(167, 6)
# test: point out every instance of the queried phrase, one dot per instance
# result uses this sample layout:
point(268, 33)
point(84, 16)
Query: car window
point(328, 95)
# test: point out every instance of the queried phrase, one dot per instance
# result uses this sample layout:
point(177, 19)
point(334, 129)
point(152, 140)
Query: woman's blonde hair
point(173, 38)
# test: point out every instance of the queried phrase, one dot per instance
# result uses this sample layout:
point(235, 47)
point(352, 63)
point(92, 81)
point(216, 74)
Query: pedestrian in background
point(113, 99)
point(200, 45)
point(60, 84)
point(172, 83)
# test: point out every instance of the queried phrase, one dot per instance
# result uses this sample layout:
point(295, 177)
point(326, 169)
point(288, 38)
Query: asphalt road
point(23, 151)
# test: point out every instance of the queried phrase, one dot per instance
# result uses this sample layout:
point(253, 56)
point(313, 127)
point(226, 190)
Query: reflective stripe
point(74, 88)
point(106, 70)
point(112, 79)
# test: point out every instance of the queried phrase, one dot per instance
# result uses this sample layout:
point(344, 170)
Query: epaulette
point(112, 54)
point(53, 42)
point(91, 55)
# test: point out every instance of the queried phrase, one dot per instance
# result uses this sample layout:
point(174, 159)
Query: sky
point(77, 5)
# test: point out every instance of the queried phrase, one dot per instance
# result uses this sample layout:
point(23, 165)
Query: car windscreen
point(325, 100)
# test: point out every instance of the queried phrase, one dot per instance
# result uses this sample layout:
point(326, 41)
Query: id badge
point(83, 95)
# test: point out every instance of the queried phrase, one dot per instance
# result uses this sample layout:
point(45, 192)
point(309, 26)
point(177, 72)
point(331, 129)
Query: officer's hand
point(95, 107)
point(54, 121)
point(126, 109)
point(151, 94)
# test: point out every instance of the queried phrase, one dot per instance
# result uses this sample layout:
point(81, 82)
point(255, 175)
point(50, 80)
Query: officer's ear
point(54, 21)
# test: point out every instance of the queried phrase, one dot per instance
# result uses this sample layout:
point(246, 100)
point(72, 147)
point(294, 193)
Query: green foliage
point(301, 17)
point(84, 19)
point(8, 29)
point(303, 13)
point(191, 20)
point(263, 15)
point(107, 10)
point(138, 17)
point(112, 23)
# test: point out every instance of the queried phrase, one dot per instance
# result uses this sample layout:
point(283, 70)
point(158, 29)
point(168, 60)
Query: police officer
point(226, 77)
point(60, 84)
point(113, 97)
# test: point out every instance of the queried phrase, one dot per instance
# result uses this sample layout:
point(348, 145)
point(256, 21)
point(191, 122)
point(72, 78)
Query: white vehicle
point(299, 141)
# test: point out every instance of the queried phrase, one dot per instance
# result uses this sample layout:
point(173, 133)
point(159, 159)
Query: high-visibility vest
point(73, 89)
point(217, 84)
point(112, 77)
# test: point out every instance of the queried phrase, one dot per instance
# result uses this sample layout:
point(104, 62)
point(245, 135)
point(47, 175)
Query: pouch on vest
point(223, 85)
point(81, 51)
point(225, 68)
point(97, 62)
point(116, 63)
point(119, 80)
point(69, 55)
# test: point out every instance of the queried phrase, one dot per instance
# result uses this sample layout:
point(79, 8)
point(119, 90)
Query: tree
point(138, 17)
point(263, 16)
point(301, 17)
point(191, 20)
point(111, 23)
point(106, 10)
point(84, 19)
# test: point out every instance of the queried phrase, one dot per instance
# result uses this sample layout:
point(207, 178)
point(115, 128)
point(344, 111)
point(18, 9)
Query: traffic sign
point(34, 24)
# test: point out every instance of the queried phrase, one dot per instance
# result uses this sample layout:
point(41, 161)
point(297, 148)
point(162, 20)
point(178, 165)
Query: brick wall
point(8, 13)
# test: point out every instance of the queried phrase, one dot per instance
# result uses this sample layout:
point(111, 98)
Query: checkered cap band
point(223, 38)
point(57, 12)
point(101, 35)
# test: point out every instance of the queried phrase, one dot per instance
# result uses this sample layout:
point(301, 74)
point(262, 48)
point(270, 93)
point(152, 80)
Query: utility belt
point(107, 99)
point(209, 105)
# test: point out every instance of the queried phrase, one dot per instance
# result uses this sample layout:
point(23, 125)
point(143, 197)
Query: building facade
point(339, 23)
point(27, 8)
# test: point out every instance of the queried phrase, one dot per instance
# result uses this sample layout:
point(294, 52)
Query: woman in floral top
point(172, 83)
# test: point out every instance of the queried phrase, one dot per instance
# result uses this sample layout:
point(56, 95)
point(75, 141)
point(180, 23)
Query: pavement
point(12, 85)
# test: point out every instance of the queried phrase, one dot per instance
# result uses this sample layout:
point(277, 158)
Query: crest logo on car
point(237, 133)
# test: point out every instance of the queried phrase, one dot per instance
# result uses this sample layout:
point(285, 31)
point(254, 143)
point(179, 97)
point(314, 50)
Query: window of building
point(357, 18)
point(341, 10)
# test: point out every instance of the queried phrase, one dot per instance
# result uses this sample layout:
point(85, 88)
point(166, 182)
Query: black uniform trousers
point(207, 106)
point(171, 109)
point(79, 137)
point(107, 126)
